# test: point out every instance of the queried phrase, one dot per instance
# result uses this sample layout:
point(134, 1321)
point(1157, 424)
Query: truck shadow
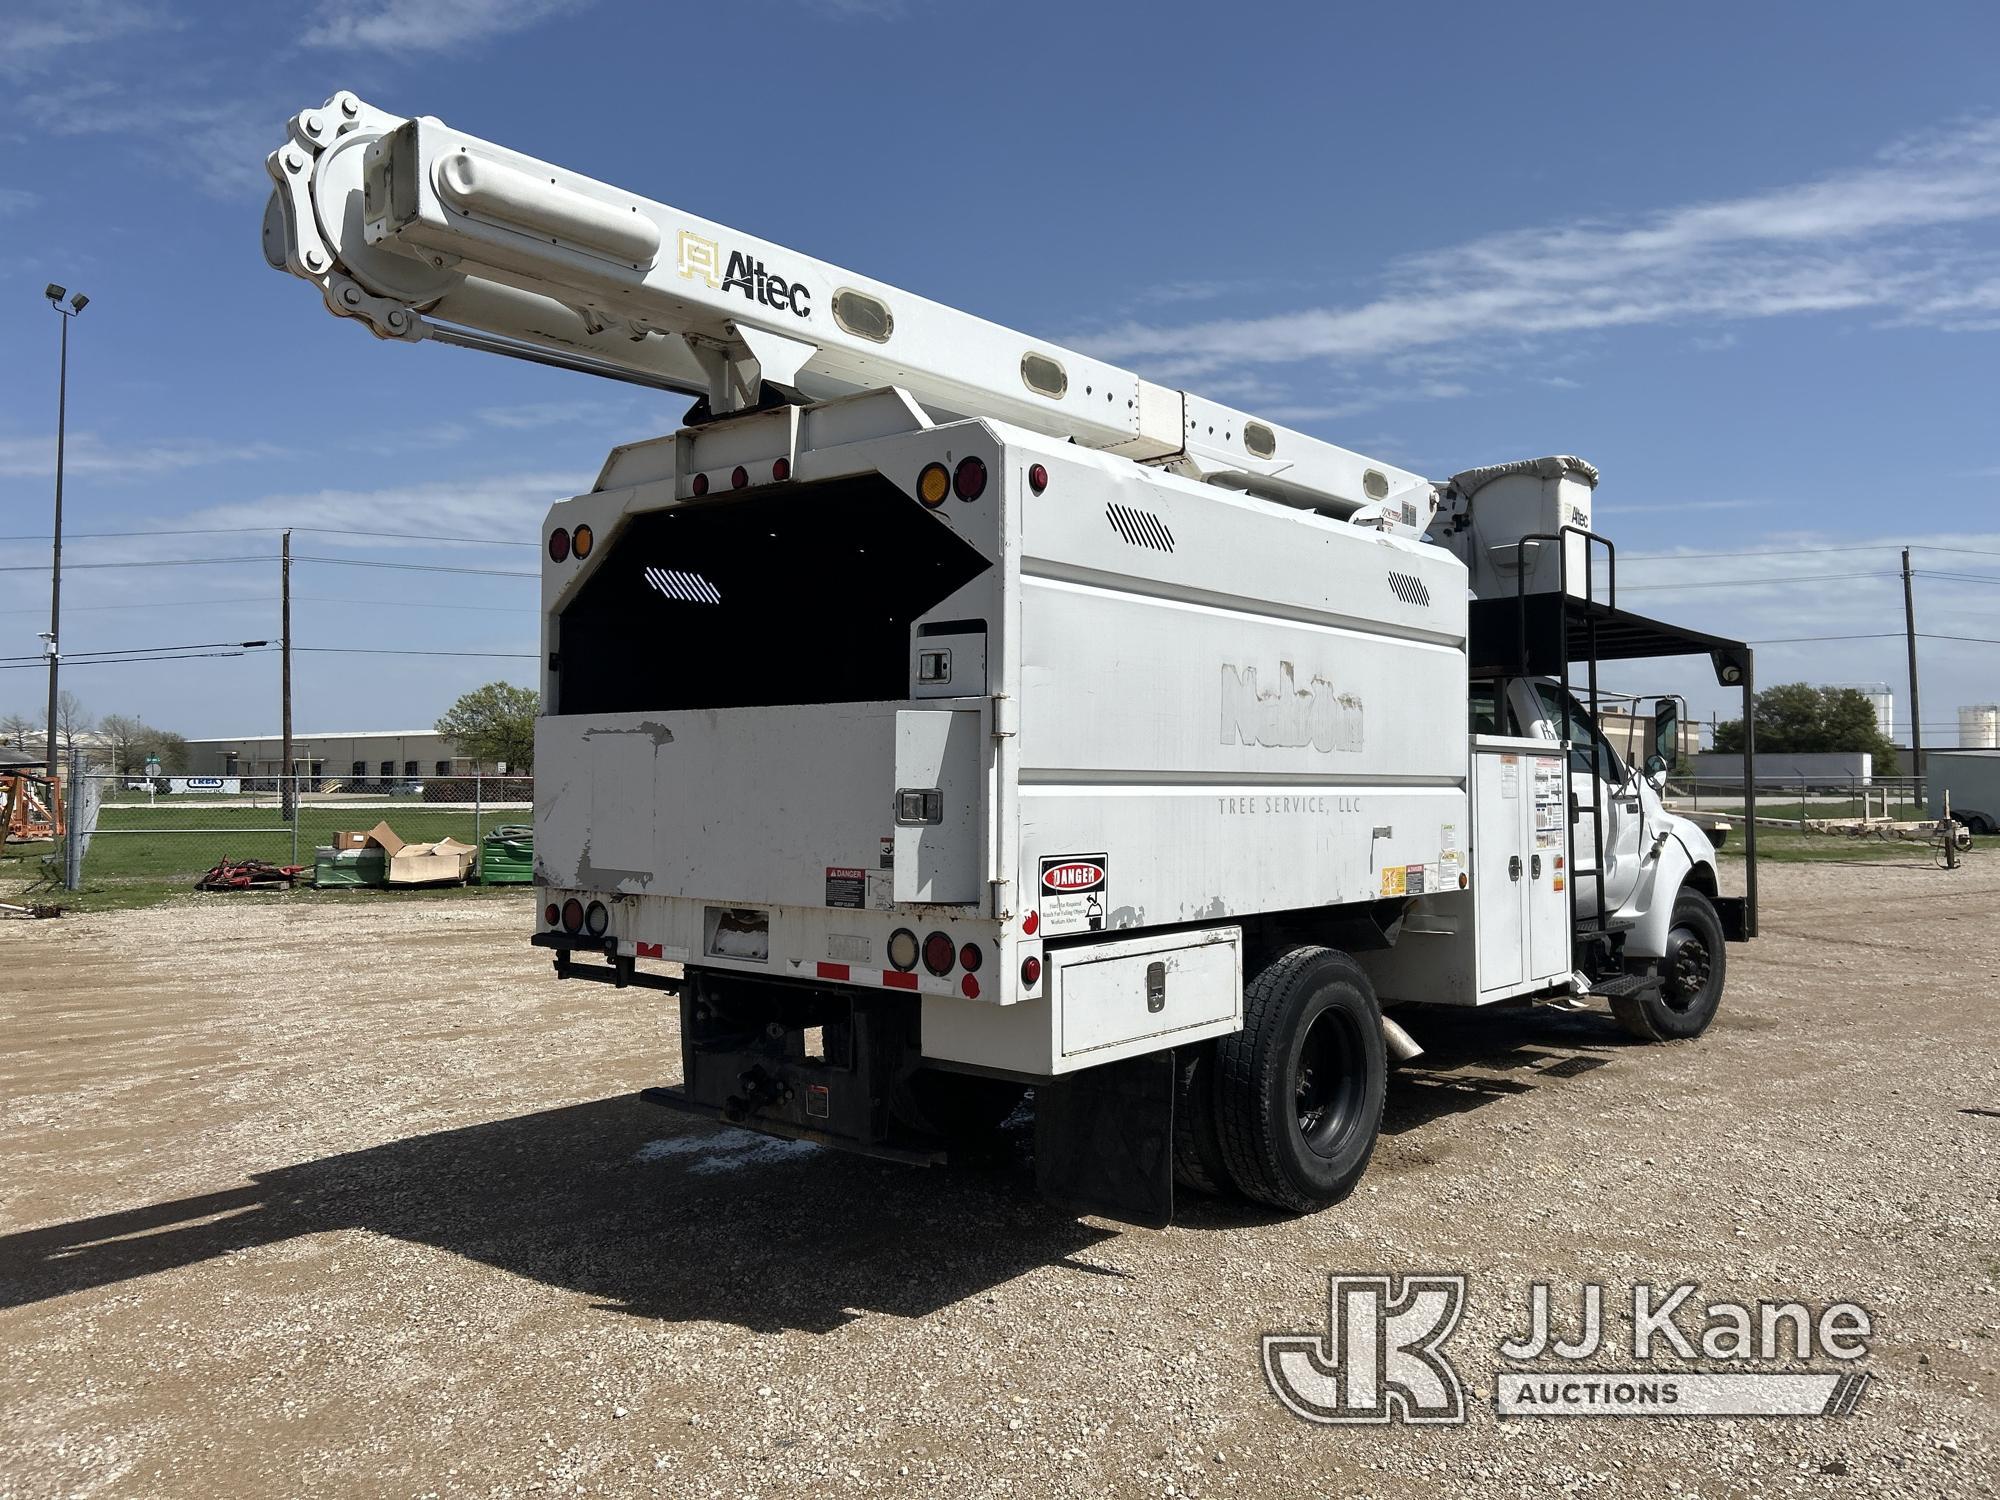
point(658, 1216)
point(648, 1213)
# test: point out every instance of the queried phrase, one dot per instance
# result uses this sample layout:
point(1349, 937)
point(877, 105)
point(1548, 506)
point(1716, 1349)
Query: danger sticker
point(1074, 889)
point(846, 886)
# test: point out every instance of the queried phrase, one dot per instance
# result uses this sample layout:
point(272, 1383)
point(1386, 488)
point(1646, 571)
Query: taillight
point(939, 953)
point(739, 478)
point(580, 542)
point(572, 914)
point(969, 483)
point(934, 484)
point(699, 486)
point(558, 545)
point(596, 919)
point(903, 950)
point(970, 958)
point(1038, 478)
point(1031, 971)
point(781, 469)
point(553, 915)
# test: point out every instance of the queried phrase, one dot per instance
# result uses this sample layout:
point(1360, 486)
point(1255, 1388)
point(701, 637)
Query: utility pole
point(288, 790)
point(1916, 707)
point(55, 294)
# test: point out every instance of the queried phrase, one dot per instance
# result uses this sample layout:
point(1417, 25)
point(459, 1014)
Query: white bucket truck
point(960, 714)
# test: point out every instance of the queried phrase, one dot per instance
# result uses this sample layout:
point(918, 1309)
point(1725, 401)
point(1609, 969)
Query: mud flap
point(1734, 914)
point(1104, 1141)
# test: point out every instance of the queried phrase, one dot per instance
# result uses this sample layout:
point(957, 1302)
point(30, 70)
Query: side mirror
point(1666, 732)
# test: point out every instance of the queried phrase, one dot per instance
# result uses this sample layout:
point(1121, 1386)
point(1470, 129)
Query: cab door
point(1603, 788)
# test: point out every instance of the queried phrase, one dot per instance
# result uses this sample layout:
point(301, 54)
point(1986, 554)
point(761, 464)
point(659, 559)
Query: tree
point(171, 748)
point(494, 723)
point(120, 733)
point(15, 729)
point(1796, 718)
point(72, 718)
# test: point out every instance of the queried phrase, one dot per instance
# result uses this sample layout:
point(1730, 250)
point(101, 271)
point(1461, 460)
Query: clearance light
point(1031, 972)
point(553, 915)
point(558, 545)
point(739, 478)
point(700, 485)
point(903, 950)
point(934, 484)
point(781, 469)
point(572, 914)
point(970, 481)
point(581, 540)
point(1038, 478)
point(939, 953)
point(596, 919)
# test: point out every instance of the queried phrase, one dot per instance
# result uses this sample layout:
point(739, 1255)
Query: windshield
point(1589, 752)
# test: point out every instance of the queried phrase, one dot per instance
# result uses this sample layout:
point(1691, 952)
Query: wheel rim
point(1687, 968)
point(1328, 1092)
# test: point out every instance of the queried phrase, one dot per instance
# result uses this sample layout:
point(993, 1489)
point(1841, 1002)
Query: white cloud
point(533, 414)
point(504, 507)
point(1874, 238)
point(87, 453)
point(220, 144)
point(38, 37)
point(17, 200)
point(429, 25)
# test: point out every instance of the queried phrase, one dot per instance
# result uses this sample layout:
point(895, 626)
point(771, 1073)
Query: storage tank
point(1979, 726)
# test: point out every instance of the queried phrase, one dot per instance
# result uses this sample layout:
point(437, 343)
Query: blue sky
point(1744, 258)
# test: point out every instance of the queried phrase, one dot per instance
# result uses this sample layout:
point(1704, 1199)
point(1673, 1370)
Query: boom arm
point(424, 232)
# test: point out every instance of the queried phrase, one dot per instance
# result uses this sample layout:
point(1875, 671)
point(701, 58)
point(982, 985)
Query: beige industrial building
point(359, 759)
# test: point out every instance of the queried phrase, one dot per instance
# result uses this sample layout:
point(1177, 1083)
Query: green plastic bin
point(348, 868)
point(507, 855)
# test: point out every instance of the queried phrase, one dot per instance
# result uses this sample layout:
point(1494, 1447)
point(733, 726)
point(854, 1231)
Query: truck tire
point(1691, 977)
point(1198, 1162)
point(1298, 1091)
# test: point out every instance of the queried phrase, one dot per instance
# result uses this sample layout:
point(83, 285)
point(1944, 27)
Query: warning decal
point(846, 886)
point(1073, 890)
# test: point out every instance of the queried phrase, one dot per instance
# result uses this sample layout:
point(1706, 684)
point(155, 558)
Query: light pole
point(55, 294)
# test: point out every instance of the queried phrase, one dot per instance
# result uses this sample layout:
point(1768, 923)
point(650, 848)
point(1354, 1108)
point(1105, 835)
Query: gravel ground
point(357, 1200)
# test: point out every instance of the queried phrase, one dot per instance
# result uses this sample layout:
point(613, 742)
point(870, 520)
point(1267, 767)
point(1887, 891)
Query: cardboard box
point(430, 864)
point(345, 840)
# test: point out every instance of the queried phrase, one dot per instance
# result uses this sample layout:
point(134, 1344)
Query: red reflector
point(939, 954)
point(572, 914)
point(739, 477)
point(648, 950)
point(781, 470)
point(700, 485)
point(892, 980)
point(969, 482)
point(1038, 478)
point(1031, 923)
point(553, 915)
point(1031, 971)
point(558, 545)
point(969, 987)
point(833, 971)
point(970, 958)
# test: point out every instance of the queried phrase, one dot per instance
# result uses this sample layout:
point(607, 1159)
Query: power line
point(1804, 552)
point(405, 536)
point(387, 651)
point(1718, 583)
point(35, 609)
point(158, 562)
point(361, 562)
point(120, 661)
point(137, 650)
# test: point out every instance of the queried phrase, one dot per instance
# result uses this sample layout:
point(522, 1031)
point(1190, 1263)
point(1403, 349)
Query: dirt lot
point(356, 1200)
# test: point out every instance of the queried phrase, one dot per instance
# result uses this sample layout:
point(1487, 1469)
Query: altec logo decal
point(1288, 716)
point(701, 260)
point(1077, 875)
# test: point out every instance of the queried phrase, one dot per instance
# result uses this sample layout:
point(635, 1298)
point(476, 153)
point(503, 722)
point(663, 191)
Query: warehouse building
point(341, 760)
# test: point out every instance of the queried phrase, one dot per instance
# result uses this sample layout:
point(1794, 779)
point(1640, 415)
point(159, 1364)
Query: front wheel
point(1691, 975)
point(1298, 1091)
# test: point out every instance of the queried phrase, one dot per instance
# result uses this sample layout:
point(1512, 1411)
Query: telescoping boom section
point(424, 232)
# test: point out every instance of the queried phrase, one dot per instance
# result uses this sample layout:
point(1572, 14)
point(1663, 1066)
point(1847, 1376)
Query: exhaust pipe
point(1402, 1046)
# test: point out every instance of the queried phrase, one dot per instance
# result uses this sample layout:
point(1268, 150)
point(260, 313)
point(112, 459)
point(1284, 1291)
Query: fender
point(1660, 882)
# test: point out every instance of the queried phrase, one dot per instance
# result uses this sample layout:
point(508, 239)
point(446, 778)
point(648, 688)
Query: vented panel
point(1409, 588)
point(1139, 527)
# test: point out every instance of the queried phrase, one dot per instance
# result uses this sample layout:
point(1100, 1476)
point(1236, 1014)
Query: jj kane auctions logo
point(1381, 1358)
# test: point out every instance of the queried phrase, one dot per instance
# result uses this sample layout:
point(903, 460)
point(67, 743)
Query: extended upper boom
point(424, 232)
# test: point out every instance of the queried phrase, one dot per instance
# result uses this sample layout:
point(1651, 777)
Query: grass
point(143, 855)
point(1779, 805)
point(1788, 846)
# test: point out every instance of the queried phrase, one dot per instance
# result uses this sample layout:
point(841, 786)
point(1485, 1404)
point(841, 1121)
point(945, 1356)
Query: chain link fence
point(135, 829)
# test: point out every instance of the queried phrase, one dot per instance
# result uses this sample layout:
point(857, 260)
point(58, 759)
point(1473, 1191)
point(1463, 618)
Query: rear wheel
point(1198, 1162)
point(1298, 1091)
point(1691, 976)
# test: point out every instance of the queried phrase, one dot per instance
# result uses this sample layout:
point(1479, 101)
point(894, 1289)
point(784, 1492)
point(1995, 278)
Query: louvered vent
point(1139, 527)
point(1409, 588)
point(689, 588)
